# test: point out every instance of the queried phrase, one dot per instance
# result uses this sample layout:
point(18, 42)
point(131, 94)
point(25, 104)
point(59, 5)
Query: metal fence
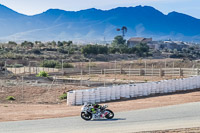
point(131, 72)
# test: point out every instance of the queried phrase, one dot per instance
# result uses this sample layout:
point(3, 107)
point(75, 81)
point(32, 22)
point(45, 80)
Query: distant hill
point(93, 24)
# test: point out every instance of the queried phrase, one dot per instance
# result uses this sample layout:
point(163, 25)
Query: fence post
point(197, 71)
point(62, 68)
point(104, 77)
point(180, 72)
point(140, 72)
point(5, 65)
point(29, 68)
point(161, 73)
point(81, 77)
point(15, 70)
point(22, 87)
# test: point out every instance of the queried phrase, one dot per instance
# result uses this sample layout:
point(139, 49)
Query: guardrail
point(103, 94)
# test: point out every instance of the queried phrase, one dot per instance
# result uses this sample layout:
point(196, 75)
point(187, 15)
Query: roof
point(137, 39)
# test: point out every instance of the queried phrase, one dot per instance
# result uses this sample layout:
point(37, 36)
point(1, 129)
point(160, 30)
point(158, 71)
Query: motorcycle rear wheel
point(85, 116)
point(110, 115)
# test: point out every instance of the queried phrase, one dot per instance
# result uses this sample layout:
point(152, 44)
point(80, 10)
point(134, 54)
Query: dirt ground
point(35, 94)
point(43, 91)
point(182, 130)
point(123, 78)
point(17, 112)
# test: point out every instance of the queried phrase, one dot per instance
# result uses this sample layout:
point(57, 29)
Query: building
point(137, 40)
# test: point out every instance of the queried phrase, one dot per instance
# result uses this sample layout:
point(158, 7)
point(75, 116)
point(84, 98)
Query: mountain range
point(97, 25)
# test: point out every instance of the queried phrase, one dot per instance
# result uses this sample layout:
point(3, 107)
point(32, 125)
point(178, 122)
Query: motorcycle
point(102, 113)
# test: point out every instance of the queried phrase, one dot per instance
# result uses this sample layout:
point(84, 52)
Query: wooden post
point(161, 73)
point(115, 68)
point(15, 70)
point(5, 68)
point(81, 77)
point(145, 68)
point(22, 87)
point(62, 68)
point(173, 68)
point(104, 77)
point(152, 70)
point(89, 67)
point(29, 68)
point(180, 72)
point(140, 72)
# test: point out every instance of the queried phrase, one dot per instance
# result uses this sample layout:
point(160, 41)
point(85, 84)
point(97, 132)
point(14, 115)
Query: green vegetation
point(91, 65)
point(42, 74)
point(63, 96)
point(50, 64)
point(67, 65)
point(55, 64)
point(54, 52)
point(15, 65)
point(10, 98)
point(94, 49)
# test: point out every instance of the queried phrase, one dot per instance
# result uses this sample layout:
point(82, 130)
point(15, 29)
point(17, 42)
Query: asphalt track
point(170, 117)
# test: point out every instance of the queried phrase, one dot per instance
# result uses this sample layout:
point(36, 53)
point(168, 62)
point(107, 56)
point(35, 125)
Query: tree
point(27, 44)
point(94, 49)
point(142, 49)
point(60, 44)
point(118, 42)
point(12, 43)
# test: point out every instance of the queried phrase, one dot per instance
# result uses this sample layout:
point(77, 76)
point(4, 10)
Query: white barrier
point(92, 96)
point(117, 92)
point(103, 94)
point(79, 97)
point(71, 98)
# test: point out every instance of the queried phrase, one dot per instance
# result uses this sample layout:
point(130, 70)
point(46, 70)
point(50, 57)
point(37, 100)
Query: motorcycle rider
point(95, 107)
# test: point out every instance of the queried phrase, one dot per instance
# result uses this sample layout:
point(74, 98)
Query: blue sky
point(31, 7)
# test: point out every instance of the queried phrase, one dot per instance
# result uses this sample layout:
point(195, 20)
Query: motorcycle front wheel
point(110, 115)
point(85, 116)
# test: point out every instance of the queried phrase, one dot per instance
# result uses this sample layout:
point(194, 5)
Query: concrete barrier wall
point(111, 93)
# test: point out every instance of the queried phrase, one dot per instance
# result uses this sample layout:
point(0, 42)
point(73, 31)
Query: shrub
point(63, 96)
point(15, 65)
point(18, 65)
point(10, 98)
point(42, 74)
point(94, 49)
point(36, 51)
point(68, 65)
point(50, 64)
point(91, 65)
